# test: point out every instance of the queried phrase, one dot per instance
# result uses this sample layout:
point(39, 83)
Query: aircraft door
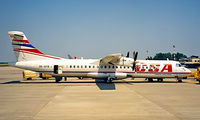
point(57, 69)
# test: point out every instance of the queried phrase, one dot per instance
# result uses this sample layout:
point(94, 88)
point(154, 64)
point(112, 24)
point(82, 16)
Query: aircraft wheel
point(58, 79)
point(109, 80)
point(160, 80)
point(29, 78)
point(180, 80)
point(150, 79)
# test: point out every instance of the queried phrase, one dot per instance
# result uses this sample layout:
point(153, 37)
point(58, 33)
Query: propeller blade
point(135, 54)
point(135, 57)
point(127, 54)
point(133, 68)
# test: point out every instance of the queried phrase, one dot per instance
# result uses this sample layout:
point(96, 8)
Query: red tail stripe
point(24, 41)
point(43, 55)
point(29, 50)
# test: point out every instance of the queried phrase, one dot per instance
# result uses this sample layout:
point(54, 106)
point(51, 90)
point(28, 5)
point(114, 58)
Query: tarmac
point(90, 99)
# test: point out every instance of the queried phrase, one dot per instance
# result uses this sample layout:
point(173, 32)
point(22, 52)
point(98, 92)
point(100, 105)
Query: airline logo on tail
point(25, 47)
point(24, 50)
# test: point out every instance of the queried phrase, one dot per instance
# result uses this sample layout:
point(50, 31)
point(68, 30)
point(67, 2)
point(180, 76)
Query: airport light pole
point(174, 52)
point(147, 54)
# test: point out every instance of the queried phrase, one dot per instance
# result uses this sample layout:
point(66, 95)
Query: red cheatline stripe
point(165, 72)
point(114, 72)
point(32, 50)
point(91, 71)
point(29, 50)
point(43, 55)
point(24, 41)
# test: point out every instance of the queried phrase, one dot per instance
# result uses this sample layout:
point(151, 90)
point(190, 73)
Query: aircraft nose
point(187, 70)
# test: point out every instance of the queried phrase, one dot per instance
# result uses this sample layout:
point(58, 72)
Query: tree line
point(165, 56)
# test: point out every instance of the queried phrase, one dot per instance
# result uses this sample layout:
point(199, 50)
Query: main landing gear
point(158, 79)
point(108, 80)
point(150, 79)
point(179, 80)
point(58, 79)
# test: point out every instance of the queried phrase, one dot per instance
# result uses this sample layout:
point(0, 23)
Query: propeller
point(127, 54)
point(135, 54)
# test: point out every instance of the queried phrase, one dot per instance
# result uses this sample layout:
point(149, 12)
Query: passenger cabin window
point(85, 66)
point(70, 66)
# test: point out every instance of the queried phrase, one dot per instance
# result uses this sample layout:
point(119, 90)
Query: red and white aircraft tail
point(24, 51)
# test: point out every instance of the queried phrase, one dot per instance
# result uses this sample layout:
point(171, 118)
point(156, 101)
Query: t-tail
point(24, 51)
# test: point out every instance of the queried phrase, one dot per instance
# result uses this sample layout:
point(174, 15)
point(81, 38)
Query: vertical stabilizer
point(24, 51)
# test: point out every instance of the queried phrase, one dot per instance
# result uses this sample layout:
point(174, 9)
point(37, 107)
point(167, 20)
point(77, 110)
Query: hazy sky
point(96, 28)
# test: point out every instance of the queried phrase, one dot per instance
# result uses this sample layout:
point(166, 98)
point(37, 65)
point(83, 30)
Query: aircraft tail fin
point(24, 51)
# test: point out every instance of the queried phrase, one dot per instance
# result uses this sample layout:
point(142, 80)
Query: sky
point(96, 28)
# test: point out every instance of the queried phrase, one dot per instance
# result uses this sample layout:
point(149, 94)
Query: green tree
point(165, 56)
point(149, 58)
point(179, 56)
point(162, 56)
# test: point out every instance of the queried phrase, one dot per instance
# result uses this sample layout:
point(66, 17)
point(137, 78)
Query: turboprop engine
point(124, 61)
point(127, 61)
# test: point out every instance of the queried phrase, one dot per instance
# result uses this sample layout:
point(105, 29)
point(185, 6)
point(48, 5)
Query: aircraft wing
point(111, 59)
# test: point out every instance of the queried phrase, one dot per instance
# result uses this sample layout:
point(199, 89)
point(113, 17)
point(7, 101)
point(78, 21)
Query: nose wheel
point(160, 79)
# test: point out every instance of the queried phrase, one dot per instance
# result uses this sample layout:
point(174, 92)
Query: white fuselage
point(93, 69)
point(113, 66)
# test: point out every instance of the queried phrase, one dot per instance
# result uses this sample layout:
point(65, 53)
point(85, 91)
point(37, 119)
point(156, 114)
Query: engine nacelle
point(124, 61)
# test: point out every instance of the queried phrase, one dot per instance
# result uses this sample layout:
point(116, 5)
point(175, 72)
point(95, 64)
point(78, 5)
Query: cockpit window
point(178, 65)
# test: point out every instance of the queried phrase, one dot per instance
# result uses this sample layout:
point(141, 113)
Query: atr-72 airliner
point(109, 68)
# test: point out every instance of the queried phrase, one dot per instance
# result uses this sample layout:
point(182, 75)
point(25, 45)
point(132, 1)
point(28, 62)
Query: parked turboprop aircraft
point(111, 67)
